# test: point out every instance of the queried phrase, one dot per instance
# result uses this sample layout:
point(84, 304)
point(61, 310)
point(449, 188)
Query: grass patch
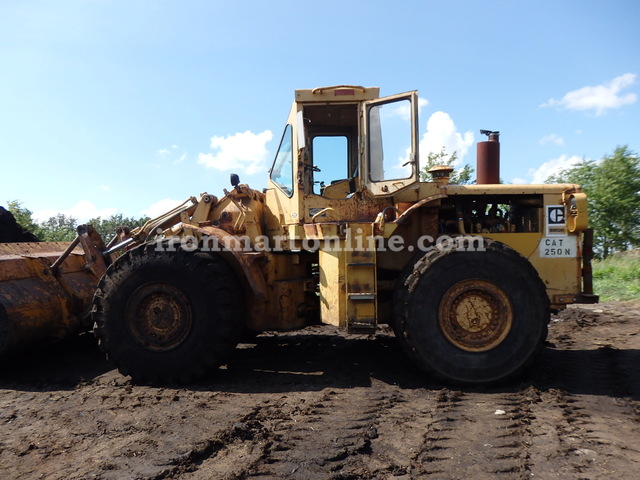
point(618, 276)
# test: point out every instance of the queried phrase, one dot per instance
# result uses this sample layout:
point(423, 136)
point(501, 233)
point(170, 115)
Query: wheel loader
point(345, 233)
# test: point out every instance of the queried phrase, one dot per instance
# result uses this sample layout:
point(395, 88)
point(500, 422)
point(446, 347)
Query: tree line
point(62, 228)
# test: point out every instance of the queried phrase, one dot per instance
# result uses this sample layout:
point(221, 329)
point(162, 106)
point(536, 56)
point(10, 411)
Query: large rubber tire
point(168, 317)
point(471, 317)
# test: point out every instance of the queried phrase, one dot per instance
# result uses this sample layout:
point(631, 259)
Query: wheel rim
point(159, 316)
point(475, 315)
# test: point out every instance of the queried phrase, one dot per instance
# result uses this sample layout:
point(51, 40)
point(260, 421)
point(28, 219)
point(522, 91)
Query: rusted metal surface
point(122, 234)
point(37, 305)
point(93, 247)
point(361, 207)
point(488, 160)
point(475, 315)
point(425, 201)
point(159, 316)
point(55, 268)
point(33, 248)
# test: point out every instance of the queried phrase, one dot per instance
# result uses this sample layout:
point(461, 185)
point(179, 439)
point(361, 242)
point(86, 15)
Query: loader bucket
point(42, 300)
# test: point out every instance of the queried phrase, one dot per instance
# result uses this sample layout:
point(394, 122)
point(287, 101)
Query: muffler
point(488, 159)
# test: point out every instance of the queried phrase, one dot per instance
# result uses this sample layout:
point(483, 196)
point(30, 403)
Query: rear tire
point(168, 317)
point(471, 317)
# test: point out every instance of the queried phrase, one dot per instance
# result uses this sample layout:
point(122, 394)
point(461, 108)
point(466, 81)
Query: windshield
point(282, 170)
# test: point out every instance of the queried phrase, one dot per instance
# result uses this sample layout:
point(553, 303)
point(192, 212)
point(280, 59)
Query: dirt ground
point(317, 405)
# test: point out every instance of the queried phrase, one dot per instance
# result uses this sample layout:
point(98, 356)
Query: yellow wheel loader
point(345, 234)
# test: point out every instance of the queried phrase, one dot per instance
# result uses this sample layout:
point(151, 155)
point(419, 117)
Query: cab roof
point(338, 93)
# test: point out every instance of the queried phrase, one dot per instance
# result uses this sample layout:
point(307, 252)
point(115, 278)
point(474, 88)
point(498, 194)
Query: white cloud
point(403, 109)
point(598, 98)
point(180, 159)
point(544, 171)
point(160, 207)
point(243, 151)
point(552, 139)
point(442, 132)
point(168, 153)
point(83, 211)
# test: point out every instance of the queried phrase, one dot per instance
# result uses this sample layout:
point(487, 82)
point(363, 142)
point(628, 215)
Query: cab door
point(390, 137)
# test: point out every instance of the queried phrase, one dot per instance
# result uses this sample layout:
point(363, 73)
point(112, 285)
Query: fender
point(409, 211)
point(245, 263)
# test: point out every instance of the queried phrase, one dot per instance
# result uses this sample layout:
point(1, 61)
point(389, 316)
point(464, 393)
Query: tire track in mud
point(334, 433)
point(586, 416)
point(385, 432)
point(230, 454)
point(474, 435)
point(318, 434)
point(327, 434)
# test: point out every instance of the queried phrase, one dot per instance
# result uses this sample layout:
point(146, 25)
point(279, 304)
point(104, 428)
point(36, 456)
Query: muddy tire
point(471, 317)
point(168, 317)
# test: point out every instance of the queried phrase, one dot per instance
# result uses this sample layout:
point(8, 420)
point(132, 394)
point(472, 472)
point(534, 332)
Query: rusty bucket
point(45, 293)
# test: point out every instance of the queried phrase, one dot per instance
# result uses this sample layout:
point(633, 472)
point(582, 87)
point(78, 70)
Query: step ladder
point(360, 280)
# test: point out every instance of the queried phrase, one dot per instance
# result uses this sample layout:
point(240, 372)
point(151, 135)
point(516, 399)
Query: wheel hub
point(159, 316)
point(475, 315)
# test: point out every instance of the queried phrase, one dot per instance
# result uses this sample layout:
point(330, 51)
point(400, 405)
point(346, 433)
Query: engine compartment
point(490, 214)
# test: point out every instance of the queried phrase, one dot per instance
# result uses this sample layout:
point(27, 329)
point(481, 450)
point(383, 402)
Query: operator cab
point(341, 140)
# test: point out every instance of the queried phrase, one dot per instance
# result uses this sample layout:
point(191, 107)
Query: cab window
point(330, 160)
point(390, 141)
point(282, 170)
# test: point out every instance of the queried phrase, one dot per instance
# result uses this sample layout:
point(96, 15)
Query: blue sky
point(133, 106)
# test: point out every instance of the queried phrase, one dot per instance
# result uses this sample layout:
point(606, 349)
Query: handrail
point(319, 90)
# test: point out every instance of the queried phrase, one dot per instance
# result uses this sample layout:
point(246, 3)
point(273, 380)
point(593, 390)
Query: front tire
point(167, 317)
point(471, 317)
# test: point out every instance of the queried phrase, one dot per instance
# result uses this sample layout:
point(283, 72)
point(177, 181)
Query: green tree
point(107, 227)
point(59, 228)
point(461, 176)
point(24, 217)
point(613, 188)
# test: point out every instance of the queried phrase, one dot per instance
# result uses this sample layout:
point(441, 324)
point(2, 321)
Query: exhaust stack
point(488, 159)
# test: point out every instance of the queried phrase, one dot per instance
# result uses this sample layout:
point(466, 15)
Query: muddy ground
point(314, 405)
